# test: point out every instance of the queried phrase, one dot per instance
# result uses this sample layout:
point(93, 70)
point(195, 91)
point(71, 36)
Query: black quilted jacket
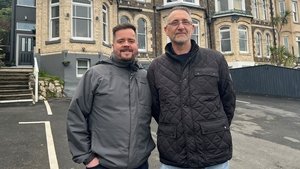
point(193, 104)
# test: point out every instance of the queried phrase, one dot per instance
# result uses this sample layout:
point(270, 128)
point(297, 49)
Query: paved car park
point(265, 133)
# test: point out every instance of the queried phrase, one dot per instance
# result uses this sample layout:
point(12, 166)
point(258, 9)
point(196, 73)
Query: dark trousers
point(145, 165)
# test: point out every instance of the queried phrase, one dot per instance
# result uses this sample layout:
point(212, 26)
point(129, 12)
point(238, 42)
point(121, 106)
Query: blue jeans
point(219, 166)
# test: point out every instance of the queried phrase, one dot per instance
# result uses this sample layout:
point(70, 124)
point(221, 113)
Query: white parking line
point(49, 111)
point(242, 101)
point(50, 143)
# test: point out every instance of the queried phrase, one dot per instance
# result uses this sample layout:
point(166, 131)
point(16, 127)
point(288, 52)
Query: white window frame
point(281, 7)
point(196, 33)
point(89, 26)
point(82, 67)
point(105, 24)
point(243, 29)
point(196, 2)
point(230, 5)
point(258, 44)
point(298, 44)
point(221, 40)
point(268, 45)
point(295, 11)
point(142, 34)
point(29, 3)
point(53, 5)
point(254, 9)
point(264, 9)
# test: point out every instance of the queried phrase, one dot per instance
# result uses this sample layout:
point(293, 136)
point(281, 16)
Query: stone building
point(71, 35)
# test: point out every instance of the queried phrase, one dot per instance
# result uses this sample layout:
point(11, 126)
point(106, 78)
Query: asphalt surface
point(266, 135)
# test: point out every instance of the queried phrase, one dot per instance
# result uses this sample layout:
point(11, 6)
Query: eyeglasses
point(183, 22)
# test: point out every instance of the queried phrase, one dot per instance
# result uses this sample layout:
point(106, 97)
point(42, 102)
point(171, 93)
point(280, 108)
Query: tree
point(280, 55)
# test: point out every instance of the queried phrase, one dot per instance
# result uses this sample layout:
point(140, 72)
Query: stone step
point(3, 87)
point(23, 70)
point(12, 91)
point(15, 96)
point(14, 82)
point(14, 74)
point(7, 78)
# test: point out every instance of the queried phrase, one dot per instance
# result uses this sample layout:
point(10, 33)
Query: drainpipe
point(272, 22)
point(209, 20)
point(154, 29)
point(13, 32)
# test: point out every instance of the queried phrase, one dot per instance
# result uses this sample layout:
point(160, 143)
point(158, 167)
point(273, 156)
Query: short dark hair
point(123, 26)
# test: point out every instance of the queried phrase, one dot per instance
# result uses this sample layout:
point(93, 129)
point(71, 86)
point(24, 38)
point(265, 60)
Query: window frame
point(244, 30)
point(196, 2)
point(298, 43)
point(89, 21)
point(56, 4)
point(295, 11)
point(230, 4)
point(79, 75)
point(105, 24)
point(268, 45)
point(221, 40)
point(196, 32)
point(27, 5)
point(144, 34)
point(258, 44)
point(281, 7)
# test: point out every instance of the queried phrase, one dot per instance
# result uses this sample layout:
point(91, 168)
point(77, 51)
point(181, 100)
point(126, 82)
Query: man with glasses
point(193, 100)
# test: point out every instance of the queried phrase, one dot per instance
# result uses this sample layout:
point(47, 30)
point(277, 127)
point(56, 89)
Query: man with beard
point(193, 100)
point(108, 122)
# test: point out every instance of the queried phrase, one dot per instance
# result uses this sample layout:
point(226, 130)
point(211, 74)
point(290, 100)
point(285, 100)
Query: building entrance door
point(25, 51)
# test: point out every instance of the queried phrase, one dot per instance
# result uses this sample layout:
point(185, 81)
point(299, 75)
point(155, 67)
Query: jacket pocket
point(207, 79)
point(168, 130)
point(214, 126)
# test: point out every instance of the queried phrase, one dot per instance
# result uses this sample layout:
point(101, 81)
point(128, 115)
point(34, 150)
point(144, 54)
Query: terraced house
point(71, 35)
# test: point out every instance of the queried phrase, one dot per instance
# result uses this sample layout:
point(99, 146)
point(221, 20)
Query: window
point(124, 19)
point(268, 45)
point(82, 19)
point(105, 24)
point(225, 39)
point(254, 9)
point(295, 11)
point(82, 65)
point(239, 4)
point(258, 45)
point(286, 42)
point(264, 10)
point(195, 35)
point(281, 7)
point(226, 5)
point(243, 39)
point(298, 44)
point(141, 32)
point(26, 3)
point(54, 19)
point(181, 1)
point(25, 26)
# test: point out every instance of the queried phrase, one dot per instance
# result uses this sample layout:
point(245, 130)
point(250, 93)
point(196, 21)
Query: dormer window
point(195, 2)
point(229, 5)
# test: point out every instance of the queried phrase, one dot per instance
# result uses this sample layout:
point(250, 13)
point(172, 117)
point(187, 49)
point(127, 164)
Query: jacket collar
point(192, 53)
point(131, 65)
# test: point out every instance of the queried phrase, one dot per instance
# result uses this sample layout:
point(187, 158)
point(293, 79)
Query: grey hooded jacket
point(109, 116)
